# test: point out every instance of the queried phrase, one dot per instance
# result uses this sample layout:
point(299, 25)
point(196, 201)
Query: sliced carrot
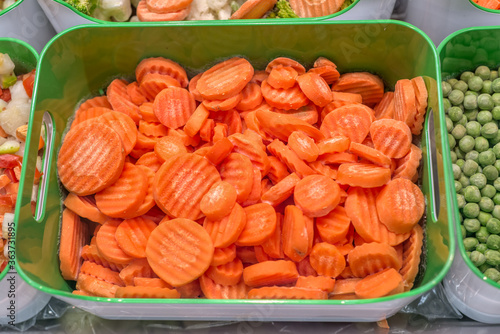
point(316, 195)
point(277, 170)
point(290, 158)
point(282, 77)
point(135, 94)
point(152, 129)
point(279, 272)
point(173, 106)
point(347, 97)
point(147, 112)
point(412, 249)
point(368, 85)
point(136, 268)
point(95, 286)
point(315, 88)
point(295, 234)
point(328, 72)
point(282, 292)
point(260, 255)
point(256, 193)
point(233, 120)
point(153, 83)
point(126, 195)
point(253, 9)
point(188, 141)
point(385, 108)
point(319, 168)
point(89, 113)
point(400, 205)
point(219, 151)
point(162, 66)
point(90, 159)
point(334, 227)
point(281, 191)
point(226, 274)
point(120, 101)
point(223, 255)
point(145, 292)
point(372, 257)
point(190, 290)
point(133, 234)
point(284, 61)
point(407, 166)
point(307, 113)
point(334, 144)
point(260, 225)
point(246, 254)
point(123, 125)
point(303, 145)
point(235, 170)
point(100, 272)
point(181, 183)
point(323, 283)
point(338, 158)
point(185, 246)
point(108, 246)
point(405, 104)
point(98, 101)
point(345, 287)
point(223, 104)
point(370, 154)
point(272, 246)
point(253, 149)
point(391, 137)
point(326, 259)
point(196, 120)
point(91, 253)
point(149, 160)
point(169, 147)
point(363, 175)
point(82, 293)
point(352, 121)
point(225, 79)
point(192, 87)
point(288, 99)
point(361, 208)
point(73, 237)
point(207, 130)
point(84, 206)
point(251, 97)
point(380, 284)
point(211, 290)
point(305, 269)
point(421, 104)
point(151, 282)
point(259, 76)
point(281, 126)
point(219, 200)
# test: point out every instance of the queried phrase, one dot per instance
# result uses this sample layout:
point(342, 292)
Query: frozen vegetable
point(491, 4)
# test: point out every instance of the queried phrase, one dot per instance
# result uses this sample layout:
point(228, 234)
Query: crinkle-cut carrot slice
point(372, 257)
point(286, 292)
point(219, 151)
point(252, 148)
point(225, 79)
point(361, 208)
point(163, 7)
point(288, 99)
point(282, 77)
point(223, 255)
point(260, 225)
point(316, 282)
point(95, 286)
point(316, 195)
point(151, 282)
point(338, 158)
point(296, 236)
point(132, 236)
point(146, 292)
point(192, 87)
point(383, 283)
point(207, 130)
point(253, 9)
point(190, 290)
point(315, 88)
point(98, 101)
point(405, 104)
point(312, 9)
point(347, 273)
point(135, 93)
point(168, 147)
point(136, 268)
point(149, 160)
point(89, 113)
point(223, 104)
point(400, 205)
point(251, 97)
point(91, 253)
point(252, 123)
point(421, 96)
point(308, 113)
point(84, 206)
point(407, 166)
point(272, 246)
point(412, 249)
point(385, 108)
point(220, 132)
point(347, 97)
point(352, 121)
point(123, 125)
point(196, 120)
point(90, 159)
point(363, 175)
point(259, 76)
point(152, 129)
point(256, 192)
point(391, 137)
point(327, 260)
point(185, 246)
point(145, 15)
point(329, 73)
point(173, 106)
point(120, 101)
point(181, 183)
point(235, 169)
point(319, 168)
point(370, 86)
point(147, 113)
point(277, 170)
point(270, 273)
point(226, 274)
point(284, 61)
point(101, 272)
point(335, 144)
point(188, 141)
point(281, 191)
point(219, 200)
point(334, 105)
point(74, 234)
point(345, 286)
point(82, 293)
point(163, 66)
point(212, 290)
point(260, 255)
point(108, 246)
point(334, 226)
point(231, 118)
point(290, 158)
point(303, 145)
point(370, 154)
point(126, 195)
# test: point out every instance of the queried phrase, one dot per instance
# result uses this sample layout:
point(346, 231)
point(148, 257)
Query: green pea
point(487, 158)
point(446, 104)
point(478, 180)
point(484, 116)
point(496, 98)
point(470, 243)
point(471, 115)
point(486, 204)
point(470, 92)
point(485, 102)
point(477, 258)
point(475, 84)
point(495, 85)
point(472, 155)
point(457, 171)
point(463, 231)
point(452, 81)
point(496, 184)
point(483, 218)
point(482, 235)
point(484, 267)
point(466, 143)
point(493, 226)
point(464, 180)
point(459, 131)
point(496, 150)
point(461, 85)
point(460, 154)
point(495, 213)
point(481, 144)
point(463, 121)
point(469, 168)
point(460, 163)
point(471, 210)
point(455, 114)
point(496, 199)
point(466, 76)
point(453, 156)
point(490, 172)
point(470, 102)
point(481, 248)
point(452, 141)
point(488, 130)
point(493, 75)
point(461, 201)
point(472, 225)
point(492, 274)
point(495, 140)
point(493, 242)
point(497, 165)
point(449, 124)
point(495, 113)
point(458, 187)
point(492, 256)
point(488, 191)
point(446, 87)
point(486, 87)
point(472, 194)
point(456, 97)
point(483, 72)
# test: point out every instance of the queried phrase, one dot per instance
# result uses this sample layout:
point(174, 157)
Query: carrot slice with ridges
point(153, 83)
point(284, 61)
point(146, 292)
point(89, 113)
point(272, 246)
point(281, 126)
point(253, 149)
point(219, 151)
point(147, 112)
point(315, 88)
point(256, 193)
point(108, 246)
point(162, 66)
point(149, 160)
point(223, 104)
point(260, 225)
point(405, 104)
point(385, 108)
point(91, 253)
point(136, 268)
point(133, 234)
point(73, 237)
point(173, 106)
point(123, 125)
point(316, 282)
point(295, 234)
point(334, 145)
point(282, 292)
point(290, 158)
point(120, 101)
point(168, 147)
point(327, 260)
point(279, 272)
point(412, 249)
point(421, 104)
point(281, 191)
point(235, 170)
point(288, 99)
point(391, 137)
point(226, 274)
point(84, 206)
point(368, 85)
point(371, 154)
point(334, 226)
point(98, 101)
point(316, 195)
point(303, 145)
point(196, 120)
point(407, 166)
point(152, 129)
point(283, 77)
point(100, 272)
point(219, 200)
point(352, 121)
point(363, 175)
point(151, 282)
point(307, 113)
point(251, 97)
point(211, 290)
point(136, 95)
point(223, 255)
point(277, 170)
point(380, 284)
point(95, 286)
point(372, 257)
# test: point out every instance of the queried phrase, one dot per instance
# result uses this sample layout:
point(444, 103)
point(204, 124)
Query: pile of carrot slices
point(280, 183)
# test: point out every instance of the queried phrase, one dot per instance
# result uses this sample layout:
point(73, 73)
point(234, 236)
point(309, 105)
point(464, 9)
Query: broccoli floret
point(84, 6)
point(346, 4)
point(282, 10)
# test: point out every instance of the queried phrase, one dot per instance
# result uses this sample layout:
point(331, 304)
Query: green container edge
point(447, 168)
point(11, 7)
point(30, 53)
point(93, 19)
point(494, 11)
point(455, 211)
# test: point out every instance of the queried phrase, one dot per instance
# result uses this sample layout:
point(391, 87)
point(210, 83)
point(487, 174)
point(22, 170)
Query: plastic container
point(440, 18)
point(83, 60)
point(26, 21)
point(17, 298)
point(467, 288)
point(63, 16)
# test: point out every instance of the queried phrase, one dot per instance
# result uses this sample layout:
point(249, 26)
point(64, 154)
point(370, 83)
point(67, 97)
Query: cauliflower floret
point(211, 9)
point(113, 10)
point(16, 114)
point(18, 93)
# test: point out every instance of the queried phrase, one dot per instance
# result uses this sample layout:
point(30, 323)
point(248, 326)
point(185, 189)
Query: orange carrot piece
point(133, 234)
point(190, 290)
point(152, 129)
point(196, 120)
point(181, 183)
point(304, 268)
point(385, 108)
point(219, 200)
point(412, 249)
point(345, 287)
point(73, 237)
point(153, 83)
point(284, 61)
point(338, 158)
point(219, 151)
point(334, 226)
point(226, 274)
point(192, 87)
point(147, 112)
point(282, 292)
point(246, 254)
point(372, 257)
point(188, 141)
point(319, 168)
point(108, 246)
point(391, 137)
point(272, 246)
point(149, 160)
point(290, 158)
point(277, 170)
point(288, 99)
point(145, 292)
point(100, 272)
point(307, 113)
point(281, 191)
point(253, 9)
point(223, 255)
point(173, 106)
point(407, 166)
point(211, 290)
point(207, 130)
point(281, 126)
point(370, 154)
point(251, 97)
point(363, 175)
point(329, 73)
point(303, 145)
point(295, 234)
point(405, 104)
point(323, 283)
point(421, 104)
point(282, 77)
point(120, 101)
point(326, 259)
point(235, 170)
point(135, 94)
point(352, 121)
point(260, 225)
point(279, 272)
point(380, 284)
point(168, 147)
point(85, 207)
point(136, 268)
point(95, 286)
point(223, 104)
point(185, 246)
point(89, 113)
point(260, 255)
point(123, 125)
point(98, 101)
point(334, 144)
point(253, 149)
point(368, 85)
point(162, 66)
point(256, 193)
point(315, 88)
point(91, 253)
point(316, 195)
point(151, 282)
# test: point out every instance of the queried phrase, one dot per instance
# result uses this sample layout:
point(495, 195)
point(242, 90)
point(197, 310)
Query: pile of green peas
point(472, 107)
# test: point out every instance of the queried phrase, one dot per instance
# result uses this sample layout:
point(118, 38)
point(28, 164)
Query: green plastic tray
point(82, 61)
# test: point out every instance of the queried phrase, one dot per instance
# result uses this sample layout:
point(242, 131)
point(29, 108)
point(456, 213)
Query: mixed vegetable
point(491, 4)
point(176, 10)
point(242, 183)
point(6, 3)
point(472, 106)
